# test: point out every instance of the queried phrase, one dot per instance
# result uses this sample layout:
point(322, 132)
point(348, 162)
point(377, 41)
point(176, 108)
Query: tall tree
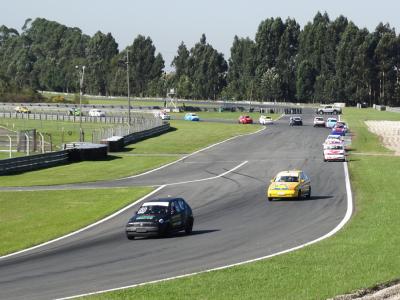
point(99, 53)
point(241, 72)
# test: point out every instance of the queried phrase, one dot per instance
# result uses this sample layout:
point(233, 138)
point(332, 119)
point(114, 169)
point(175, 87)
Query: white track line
point(209, 178)
point(191, 154)
point(123, 209)
point(85, 228)
point(346, 218)
point(146, 196)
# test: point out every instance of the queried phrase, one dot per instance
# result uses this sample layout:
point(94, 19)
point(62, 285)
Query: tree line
point(326, 61)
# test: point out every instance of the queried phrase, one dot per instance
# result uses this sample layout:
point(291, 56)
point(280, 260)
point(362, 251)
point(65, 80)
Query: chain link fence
point(20, 141)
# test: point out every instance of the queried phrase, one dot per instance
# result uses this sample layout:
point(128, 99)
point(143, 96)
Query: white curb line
point(346, 218)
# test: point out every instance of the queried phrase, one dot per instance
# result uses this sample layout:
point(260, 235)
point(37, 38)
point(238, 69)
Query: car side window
point(182, 204)
point(177, 207)
point(173, 210)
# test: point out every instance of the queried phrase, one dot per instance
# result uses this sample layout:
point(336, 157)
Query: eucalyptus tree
point(206, 70)
point(387, 63)
point(100, 50)
point(349, 80)
point(241, 73)
point(286, 60)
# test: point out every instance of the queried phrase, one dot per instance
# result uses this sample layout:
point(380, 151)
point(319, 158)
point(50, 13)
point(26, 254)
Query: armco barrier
point(137, 136)
point(73, 153)
point(33, 162)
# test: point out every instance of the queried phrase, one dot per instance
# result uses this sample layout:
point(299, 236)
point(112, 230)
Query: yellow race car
point(289, 184)
point(22, 109)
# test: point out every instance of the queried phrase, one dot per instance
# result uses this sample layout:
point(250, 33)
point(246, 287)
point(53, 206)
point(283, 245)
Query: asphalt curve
point(233, 220)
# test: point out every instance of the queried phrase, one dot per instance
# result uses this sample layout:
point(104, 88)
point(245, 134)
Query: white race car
point(334, 152)
point(162, 115)
point(319, 122)
point(96, 113)
point(265, 120)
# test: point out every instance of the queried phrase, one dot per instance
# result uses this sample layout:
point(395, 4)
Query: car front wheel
point(189, 227)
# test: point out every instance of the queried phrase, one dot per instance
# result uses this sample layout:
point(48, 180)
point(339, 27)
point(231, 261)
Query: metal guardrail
point(137, 136)
point(33, 162)
point(63, 117)
point(393, 109)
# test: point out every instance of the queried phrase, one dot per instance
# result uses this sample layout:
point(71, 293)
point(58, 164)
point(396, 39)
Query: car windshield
point(153, 210)
point(335, 147)
point(286, 178)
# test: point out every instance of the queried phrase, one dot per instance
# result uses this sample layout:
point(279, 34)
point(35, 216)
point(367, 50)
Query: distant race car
point(74, 111)
point(265, 120)
point(330, 122)
point(319, 122)
point(96, 113)
point(295, 121)
point(22, 109)
point(289, 184)
point(344, 124)
point(245, 120)
point(338, 129)
point(162, 115)
point(334, 137)
point(334, 152)
point(160, 217)
point(191, 117)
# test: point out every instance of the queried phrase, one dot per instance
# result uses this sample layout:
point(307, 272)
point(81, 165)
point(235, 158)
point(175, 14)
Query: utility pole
point(127, 80)
point(81, 78)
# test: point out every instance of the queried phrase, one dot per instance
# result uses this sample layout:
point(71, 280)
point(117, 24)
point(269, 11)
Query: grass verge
point(87, 171)
point(31, 218)
point(185, 138)
point(361, 255)
point(191, 136)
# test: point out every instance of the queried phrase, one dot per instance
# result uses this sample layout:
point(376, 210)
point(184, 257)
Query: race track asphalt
point(233, 220)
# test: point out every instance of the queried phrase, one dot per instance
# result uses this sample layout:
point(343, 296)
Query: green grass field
point(191, 136)
point(61, 132)
point(185, 138)
point(31, 218)
point(361, 255)
point(365, 141)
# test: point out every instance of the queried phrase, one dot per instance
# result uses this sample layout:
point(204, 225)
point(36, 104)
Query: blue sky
point(168, 22)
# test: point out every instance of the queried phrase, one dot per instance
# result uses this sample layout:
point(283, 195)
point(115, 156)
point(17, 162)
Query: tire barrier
point(293, 111)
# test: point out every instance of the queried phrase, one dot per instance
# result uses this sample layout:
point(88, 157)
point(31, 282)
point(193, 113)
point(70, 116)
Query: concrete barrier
point(33, 162)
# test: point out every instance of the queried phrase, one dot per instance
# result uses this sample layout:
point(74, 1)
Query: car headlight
point(161, 221)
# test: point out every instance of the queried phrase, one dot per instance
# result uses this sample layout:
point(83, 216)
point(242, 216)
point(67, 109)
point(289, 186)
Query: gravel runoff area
point(378, 293)
point(388, 131)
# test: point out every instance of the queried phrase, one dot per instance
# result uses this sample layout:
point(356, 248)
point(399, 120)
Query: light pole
point(127, 80)
point(81, 77)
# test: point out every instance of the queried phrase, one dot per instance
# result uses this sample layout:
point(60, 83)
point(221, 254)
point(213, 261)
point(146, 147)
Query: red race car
point(245, 120)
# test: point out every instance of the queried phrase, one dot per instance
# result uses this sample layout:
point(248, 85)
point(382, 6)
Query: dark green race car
point(160, 217)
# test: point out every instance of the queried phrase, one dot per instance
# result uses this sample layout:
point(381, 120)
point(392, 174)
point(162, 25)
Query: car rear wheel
point(130, 237)
point(299, 196)
point(269, 198)
point(309, 194)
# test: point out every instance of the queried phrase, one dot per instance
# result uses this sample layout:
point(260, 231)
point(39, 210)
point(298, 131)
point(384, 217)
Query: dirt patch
point(388, 291)
point(388, 131)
